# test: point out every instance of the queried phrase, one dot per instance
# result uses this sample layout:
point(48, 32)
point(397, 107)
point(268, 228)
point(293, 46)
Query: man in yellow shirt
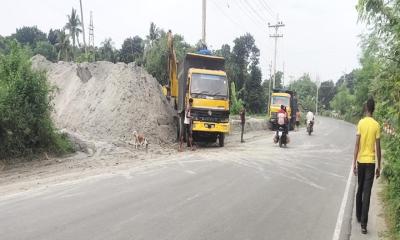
point(367, 146)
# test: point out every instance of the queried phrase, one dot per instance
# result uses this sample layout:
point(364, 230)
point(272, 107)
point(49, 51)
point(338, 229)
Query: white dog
point(139, 140)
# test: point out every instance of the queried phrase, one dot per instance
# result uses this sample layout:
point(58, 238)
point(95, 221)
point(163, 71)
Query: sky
point(320, 37)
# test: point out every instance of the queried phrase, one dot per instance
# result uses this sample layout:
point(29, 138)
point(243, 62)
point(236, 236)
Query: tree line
point(242, 59)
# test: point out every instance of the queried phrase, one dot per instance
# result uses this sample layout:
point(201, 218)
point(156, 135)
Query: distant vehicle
point(201, 77)
point(281, 97)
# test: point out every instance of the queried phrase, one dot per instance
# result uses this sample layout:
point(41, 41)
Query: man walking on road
point(368, 139)
point(242, 114)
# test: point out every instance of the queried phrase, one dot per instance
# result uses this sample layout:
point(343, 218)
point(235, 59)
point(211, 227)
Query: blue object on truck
point(204, 52)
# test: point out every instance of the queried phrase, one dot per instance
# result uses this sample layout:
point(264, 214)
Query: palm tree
point(72, 26)
point(63, 45)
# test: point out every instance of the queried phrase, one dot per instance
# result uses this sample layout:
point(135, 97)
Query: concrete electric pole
point(204, 22)
point(91, 31)
point(316, 100)
point(83, 27)
point(276, 36)
point(269, 88)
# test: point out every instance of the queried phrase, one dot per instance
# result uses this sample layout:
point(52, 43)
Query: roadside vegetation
point(380, 77)
point(25, 106)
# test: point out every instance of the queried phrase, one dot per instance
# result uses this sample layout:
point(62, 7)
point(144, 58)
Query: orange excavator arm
point(172, 87)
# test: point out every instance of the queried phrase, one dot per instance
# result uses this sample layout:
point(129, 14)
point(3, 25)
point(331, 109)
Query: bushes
point(236, 104)
point(25, 106)
point(391, 173)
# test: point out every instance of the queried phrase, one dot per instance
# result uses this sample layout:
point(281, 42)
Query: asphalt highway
point(254, 190)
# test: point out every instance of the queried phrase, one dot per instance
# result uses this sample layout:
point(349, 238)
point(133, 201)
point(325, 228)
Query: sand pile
point(107, 102)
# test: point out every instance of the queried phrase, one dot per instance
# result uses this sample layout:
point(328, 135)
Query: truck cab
point(280, 97)
point(210, 110)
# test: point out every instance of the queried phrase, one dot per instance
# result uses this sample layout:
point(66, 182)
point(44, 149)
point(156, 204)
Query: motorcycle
point(310, 126)
point(281, 137)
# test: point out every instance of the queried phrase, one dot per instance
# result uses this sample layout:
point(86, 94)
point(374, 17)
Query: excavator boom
point(172, 88)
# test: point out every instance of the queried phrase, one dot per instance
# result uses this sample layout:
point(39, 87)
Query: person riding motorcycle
point(283, 118)
point(282, 122)
point(310, 119)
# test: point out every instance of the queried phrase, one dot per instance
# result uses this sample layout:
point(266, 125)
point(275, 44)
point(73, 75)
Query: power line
point(234, 22)
point(265, 11)
point(248, 12)
point(254, 11)
point(267, 7)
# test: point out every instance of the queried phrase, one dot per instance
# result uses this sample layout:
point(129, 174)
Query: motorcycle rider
point(282, 121)
point(310, 119)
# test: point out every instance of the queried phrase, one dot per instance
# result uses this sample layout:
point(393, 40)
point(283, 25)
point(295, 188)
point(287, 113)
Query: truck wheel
point(221, 139)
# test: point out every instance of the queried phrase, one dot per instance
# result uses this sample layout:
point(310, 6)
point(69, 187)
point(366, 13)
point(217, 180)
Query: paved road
point(251, 191)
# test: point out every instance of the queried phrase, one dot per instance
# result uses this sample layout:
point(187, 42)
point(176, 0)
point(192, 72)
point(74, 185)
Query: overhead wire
point(263, 10)
point(267, 8)
point(232, 20)
point(254, 11)
point(244, 8)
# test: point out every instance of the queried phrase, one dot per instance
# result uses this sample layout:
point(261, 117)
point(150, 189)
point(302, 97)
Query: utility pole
point(283, 75)
point(91, 31)
point(83, 28)
point(204, 18)
point(276, 36)
point(269, 88)
point(316, 100)
point(91, 37)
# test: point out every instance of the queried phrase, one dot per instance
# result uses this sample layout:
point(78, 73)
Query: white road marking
point(339, 221)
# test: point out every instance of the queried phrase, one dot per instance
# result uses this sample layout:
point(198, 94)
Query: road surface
point(254, 190)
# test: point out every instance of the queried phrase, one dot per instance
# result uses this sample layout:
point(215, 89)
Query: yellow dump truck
point(200, 77)
point(282, 97)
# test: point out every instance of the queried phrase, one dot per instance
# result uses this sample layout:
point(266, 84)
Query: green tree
point(29, 35)
point(132, 50)
point(47, 50)
point(107, 51)
point(343, 102)
point(63, 46)
point(73, 27)
point(244, 53)
point(254, 97)
point(348, 80)
point(327, 92)
point(278, 80)
point(154, 33)
point(156, 56)
point(306, 91)
point(52, 37)
point(236, 104)
point(25, 106)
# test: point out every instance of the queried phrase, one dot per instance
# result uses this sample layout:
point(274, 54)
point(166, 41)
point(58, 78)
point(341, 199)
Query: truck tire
point(221, 139)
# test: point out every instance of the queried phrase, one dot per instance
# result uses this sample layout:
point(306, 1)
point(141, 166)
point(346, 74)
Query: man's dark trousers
point(366, 174)
point(242, 140)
